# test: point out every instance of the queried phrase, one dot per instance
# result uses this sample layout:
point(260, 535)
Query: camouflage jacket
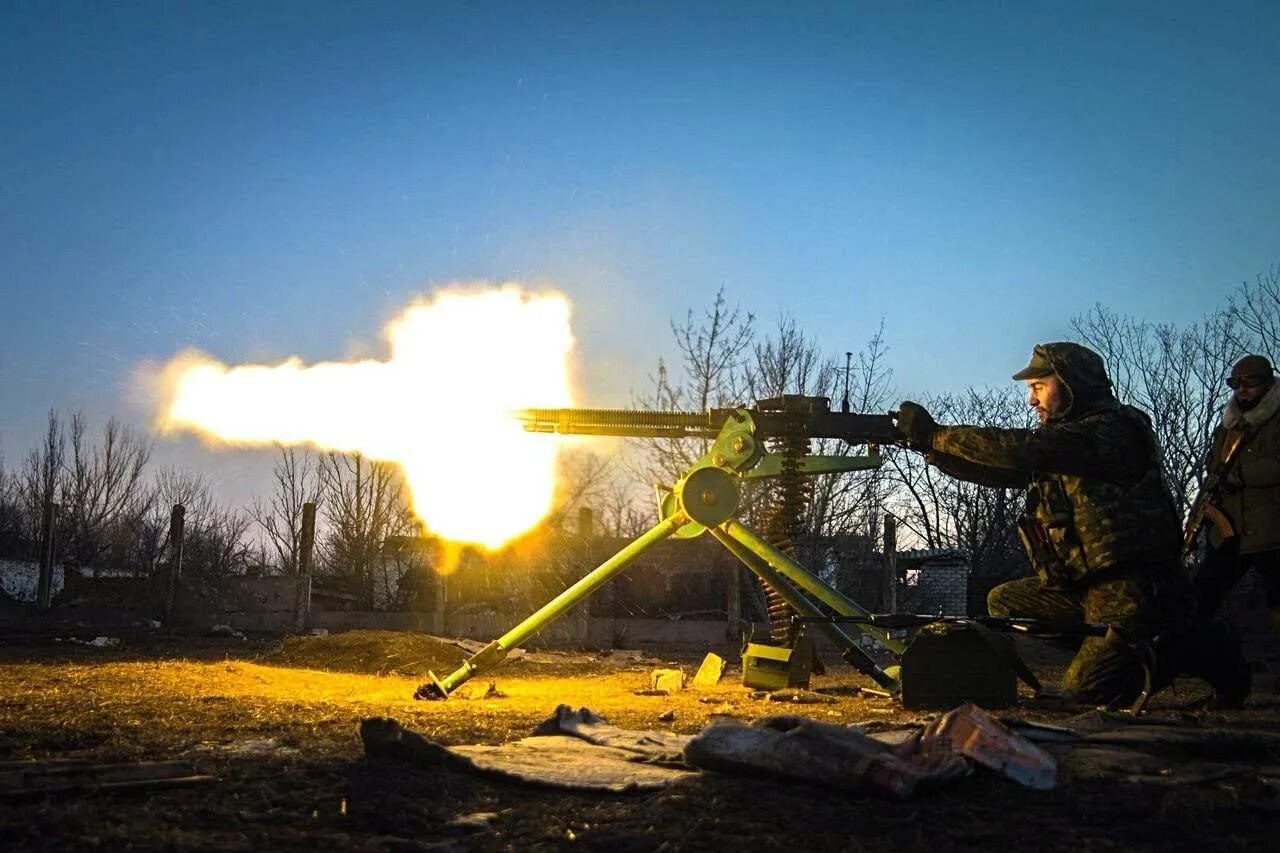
point(1092, 474)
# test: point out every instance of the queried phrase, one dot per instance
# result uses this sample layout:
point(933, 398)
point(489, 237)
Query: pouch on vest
point(1043, 555)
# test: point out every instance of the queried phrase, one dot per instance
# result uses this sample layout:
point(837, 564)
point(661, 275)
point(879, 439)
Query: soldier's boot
point(1212, 652)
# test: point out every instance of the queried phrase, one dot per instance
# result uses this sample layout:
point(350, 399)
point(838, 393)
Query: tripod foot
point(432, 690)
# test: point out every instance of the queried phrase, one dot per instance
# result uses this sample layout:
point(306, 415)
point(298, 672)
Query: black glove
point(916, 425)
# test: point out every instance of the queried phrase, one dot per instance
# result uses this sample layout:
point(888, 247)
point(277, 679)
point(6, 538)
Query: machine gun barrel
point(629, 423)
point(853, 427)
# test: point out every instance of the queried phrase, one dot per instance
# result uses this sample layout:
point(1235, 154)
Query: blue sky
point(259, 180)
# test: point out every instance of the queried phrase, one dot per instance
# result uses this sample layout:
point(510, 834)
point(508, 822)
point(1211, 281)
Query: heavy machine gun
point(771, 439)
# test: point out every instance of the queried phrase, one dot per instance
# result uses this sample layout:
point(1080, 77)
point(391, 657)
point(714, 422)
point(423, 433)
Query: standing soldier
point(1243, 490)
point(1100, 526)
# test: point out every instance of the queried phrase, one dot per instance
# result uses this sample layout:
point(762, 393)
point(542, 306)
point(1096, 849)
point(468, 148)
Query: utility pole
point(890, 563)
point(177, 529)
point(848, 371)
point(44, 581)
point(302, 608)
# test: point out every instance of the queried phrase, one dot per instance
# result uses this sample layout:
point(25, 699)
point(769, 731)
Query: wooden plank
point(19, 779)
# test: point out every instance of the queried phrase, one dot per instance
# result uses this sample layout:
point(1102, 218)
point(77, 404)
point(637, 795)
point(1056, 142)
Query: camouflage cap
point(1040, 365)
point(1252, 365)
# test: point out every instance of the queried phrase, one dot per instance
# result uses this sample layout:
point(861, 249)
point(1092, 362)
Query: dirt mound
point(380, 652)
point(412, 654)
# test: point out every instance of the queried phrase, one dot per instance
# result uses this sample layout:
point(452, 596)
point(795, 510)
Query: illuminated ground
point(282, 740)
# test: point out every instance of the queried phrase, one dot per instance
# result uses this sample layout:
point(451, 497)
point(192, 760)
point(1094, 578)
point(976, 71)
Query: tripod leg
point(494, 653)
point(854, 653)
point(802, 578)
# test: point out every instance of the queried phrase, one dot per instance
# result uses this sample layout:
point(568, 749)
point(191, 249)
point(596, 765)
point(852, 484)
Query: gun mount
point(768, 440)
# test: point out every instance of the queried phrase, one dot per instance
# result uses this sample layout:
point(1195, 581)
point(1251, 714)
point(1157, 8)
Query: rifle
point(1203, 510)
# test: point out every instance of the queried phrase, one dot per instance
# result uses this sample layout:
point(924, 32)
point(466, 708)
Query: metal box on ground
point(766, 667)
point(949, 664)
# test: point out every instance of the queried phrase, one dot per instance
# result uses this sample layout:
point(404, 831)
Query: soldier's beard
point(1246, 405)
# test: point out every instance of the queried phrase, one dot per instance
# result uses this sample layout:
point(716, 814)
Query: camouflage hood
point(1081, 371)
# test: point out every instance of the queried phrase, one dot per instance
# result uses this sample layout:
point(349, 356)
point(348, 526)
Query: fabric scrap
point(972, 732)
point(653, 746)
point(792, 747)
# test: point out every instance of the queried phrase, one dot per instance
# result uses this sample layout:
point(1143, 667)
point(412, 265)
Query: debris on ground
point(972, 732)
point(19, 779)
point(800, 696)
point(579, 749)
point(584, 723)
point(250, 748)
point(710, 671)
point(557, 760)
point(478, 690)
point(792, 747)
point(670, 680)
point(473, 821)
point(156, 697)
point(226, 631)
point(667, 716)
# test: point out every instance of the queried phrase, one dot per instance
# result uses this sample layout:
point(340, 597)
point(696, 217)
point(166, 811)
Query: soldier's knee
point(1103, 672)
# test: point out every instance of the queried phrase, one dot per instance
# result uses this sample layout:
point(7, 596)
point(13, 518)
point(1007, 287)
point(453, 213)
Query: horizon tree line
point(115, 506)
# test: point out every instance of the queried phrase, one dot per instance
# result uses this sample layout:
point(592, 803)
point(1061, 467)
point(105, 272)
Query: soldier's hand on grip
point(916, 425)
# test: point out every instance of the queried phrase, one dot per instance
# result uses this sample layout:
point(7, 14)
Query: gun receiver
point(792, 416)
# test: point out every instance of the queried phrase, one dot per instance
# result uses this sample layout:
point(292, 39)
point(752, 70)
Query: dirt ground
point(277, 726)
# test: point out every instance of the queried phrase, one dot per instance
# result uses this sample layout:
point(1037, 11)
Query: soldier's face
point(1048, 396)
point(1248, 390)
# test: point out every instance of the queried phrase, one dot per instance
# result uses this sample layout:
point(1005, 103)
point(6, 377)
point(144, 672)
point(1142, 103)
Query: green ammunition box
point(949, 664)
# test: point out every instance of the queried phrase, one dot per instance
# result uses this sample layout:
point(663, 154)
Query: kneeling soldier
point(1100, 526)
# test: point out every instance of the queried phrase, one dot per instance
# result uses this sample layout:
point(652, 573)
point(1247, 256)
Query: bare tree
point(215, 537)
point(847, 507)
point(939, 511)
point(1255, 312)
point(711, 351)
point(364, 503)
point(10, 514)
point(584, 476)
point(627, 510)
point(1175, 375)
point(100, 483)
point(296, 478)
point(38, 481)
point(787, 361)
